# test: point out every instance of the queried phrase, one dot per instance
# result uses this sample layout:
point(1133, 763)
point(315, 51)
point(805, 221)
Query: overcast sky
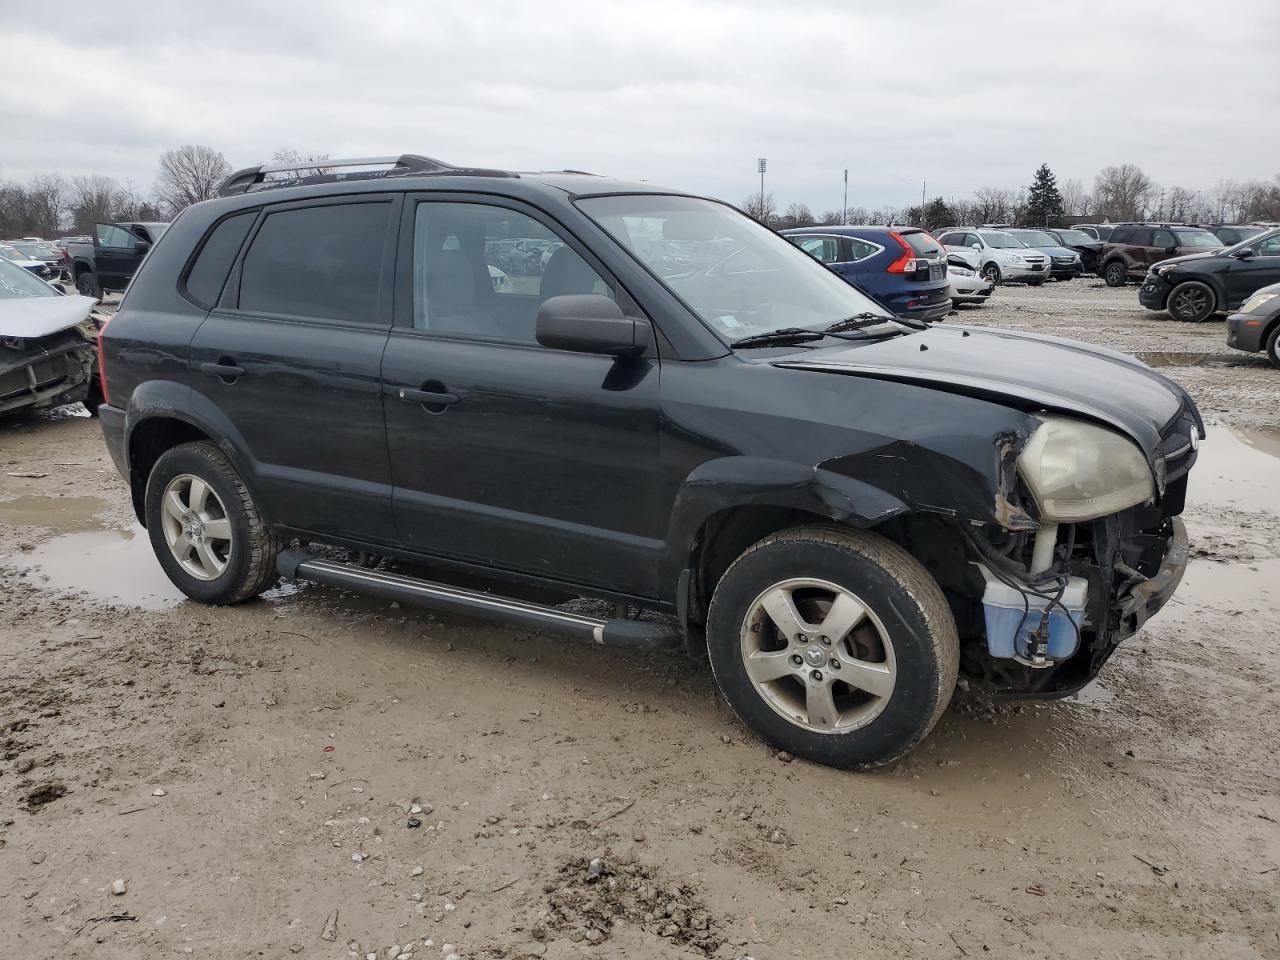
point(964, 94)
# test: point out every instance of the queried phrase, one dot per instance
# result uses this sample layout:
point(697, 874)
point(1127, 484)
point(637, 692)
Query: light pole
point(761, 163)
point(844, 209)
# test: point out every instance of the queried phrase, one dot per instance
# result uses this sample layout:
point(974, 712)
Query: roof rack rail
point(252, 179)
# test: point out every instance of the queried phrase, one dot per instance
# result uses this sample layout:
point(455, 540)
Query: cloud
point(688, 94)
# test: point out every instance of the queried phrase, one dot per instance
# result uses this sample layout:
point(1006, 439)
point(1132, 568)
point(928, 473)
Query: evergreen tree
point(1044, 202)
point(937, 214)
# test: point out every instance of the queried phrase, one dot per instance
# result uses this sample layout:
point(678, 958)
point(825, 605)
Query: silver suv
point(997, 255)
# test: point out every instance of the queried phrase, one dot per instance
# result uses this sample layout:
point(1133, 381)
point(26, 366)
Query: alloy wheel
point(196, 527)
point(1190, 302)
point(818, 655)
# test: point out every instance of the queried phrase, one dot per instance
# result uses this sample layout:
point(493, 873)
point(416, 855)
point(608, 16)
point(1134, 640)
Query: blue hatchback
point(902, 267)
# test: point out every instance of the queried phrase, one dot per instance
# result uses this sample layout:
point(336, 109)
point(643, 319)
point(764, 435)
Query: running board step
point(635, 634)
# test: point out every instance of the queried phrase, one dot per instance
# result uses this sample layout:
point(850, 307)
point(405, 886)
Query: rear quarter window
point(209, 272)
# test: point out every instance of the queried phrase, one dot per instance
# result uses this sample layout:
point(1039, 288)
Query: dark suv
point(1133, 248)
point(682, 413)
point(1196, 287)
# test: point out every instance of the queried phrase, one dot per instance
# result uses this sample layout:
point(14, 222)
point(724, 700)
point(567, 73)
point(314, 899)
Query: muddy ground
point(323, 775)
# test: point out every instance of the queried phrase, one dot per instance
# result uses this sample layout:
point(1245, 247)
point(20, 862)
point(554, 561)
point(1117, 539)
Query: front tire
point(206, 529)
point(1191, 301)
point(991, 273)
point(1273, 347)
point(1115, 274)
point(833, 644)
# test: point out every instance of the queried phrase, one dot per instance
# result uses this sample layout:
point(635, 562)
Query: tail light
point(908, 262)
point(102, 366)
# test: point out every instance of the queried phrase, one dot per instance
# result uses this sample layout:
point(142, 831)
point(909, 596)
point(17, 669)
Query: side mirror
point(1244, 253)
point(141, 246)
point(976, 246)
point(590, 323)
point(1171, 250)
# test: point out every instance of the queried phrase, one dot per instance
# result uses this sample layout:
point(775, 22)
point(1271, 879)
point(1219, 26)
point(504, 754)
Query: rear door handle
point(224, 370)
point(428, 397)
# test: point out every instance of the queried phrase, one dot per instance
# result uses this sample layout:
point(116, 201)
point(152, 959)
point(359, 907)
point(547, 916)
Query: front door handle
point(429, 398)
point(225, 371)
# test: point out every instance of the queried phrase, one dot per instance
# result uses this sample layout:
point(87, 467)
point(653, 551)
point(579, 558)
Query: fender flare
point(172, 400)
point(730, 482)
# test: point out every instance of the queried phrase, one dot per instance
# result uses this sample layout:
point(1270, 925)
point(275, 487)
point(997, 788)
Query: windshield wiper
point(858, 321)
point(781, 336)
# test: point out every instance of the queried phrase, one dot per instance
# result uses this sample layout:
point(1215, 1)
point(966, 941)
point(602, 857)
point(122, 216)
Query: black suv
point(681, 413)
point(1196, 287)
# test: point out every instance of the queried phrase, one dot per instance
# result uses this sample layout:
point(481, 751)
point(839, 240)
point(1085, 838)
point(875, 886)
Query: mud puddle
point(55, 514)
point(1237, 468)
point(1175, 358)
point(115, 566)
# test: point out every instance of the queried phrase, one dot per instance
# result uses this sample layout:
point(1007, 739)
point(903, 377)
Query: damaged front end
point(46, 371)
point(1045, 594)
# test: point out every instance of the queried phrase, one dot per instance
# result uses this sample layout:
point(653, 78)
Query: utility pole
point(762, 163)
point(923, 184)
point(844, 210)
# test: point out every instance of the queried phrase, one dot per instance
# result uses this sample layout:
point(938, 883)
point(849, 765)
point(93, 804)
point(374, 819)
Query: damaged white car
point(48, 345)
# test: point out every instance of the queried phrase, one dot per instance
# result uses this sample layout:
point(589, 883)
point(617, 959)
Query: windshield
point(17, 282)
point(1075, 236)
point(155, 229)
point(1002, 241)
point(1244, 233)
point(8, 252)
point(741, 278)
point(1034, 238)
point(1197, 239)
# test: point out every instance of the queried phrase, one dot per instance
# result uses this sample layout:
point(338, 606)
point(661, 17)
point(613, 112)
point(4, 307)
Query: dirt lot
point(442, 785)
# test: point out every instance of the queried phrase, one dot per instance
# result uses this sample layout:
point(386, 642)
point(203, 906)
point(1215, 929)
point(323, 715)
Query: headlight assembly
point(1257, 300)
point(1078, 471)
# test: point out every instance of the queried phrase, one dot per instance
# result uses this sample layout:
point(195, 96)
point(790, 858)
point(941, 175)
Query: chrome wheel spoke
point(821, 705)
point(218, 529)
point(770, 665)
point(875, 678)
point(173, 505)
point(846, 613)
point(781, 607)
point(208, 560)
point(198, 496)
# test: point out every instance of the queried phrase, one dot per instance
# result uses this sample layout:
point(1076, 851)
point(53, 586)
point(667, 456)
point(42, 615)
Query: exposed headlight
point(1258, 299)
point(1078, 471)
point(960, 272)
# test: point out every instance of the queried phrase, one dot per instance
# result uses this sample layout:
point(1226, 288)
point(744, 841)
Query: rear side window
point(323, 262)
point(861, 249)
point(213, 262)
point(822, 249)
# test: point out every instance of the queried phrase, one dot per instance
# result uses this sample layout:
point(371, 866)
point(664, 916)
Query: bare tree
point(797, 215)
point(94, 199)
point(290, 156)
point(994, 205)
point(48, 204)
point(1076, 201)
point(188, 175)
point(761, 208)
point(1123, 192)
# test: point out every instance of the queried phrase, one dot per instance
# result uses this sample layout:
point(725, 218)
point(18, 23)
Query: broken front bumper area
point(44, 372)
point(1149, 566)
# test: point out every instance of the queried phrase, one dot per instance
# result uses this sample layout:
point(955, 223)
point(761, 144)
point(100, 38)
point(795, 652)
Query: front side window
point(1164, 238)
point(484, 271)
point(739, 277)
point(109, 235)
point(1269, 247)
point(323, 262)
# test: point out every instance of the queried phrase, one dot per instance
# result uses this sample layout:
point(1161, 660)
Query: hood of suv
point(1022, 370)
point(1188, 258)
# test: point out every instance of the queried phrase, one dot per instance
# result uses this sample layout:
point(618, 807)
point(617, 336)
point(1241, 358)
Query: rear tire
point(1191, 301)
point(870, 660)
point(206, 529)
point(1273, 347)
point(1115, 274)
point(87, 285)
